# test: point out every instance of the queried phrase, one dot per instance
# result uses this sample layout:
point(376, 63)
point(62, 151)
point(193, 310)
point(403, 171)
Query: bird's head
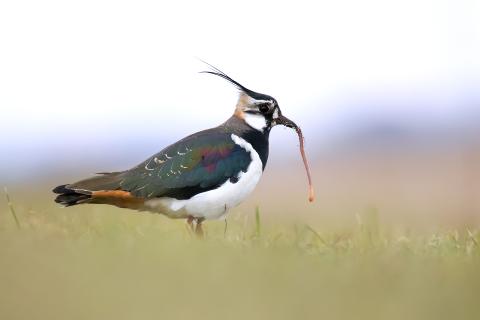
point(261, 112)
point(258, 110)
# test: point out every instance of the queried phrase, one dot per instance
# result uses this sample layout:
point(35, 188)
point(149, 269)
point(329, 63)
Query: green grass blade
point(12, 209)
point(257, 222)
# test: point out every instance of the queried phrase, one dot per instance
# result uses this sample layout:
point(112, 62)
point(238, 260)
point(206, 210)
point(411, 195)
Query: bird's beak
point(286, 122)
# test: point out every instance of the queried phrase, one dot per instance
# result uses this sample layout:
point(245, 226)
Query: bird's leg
point(225, 230)
point(190, 223)
point(198, 228)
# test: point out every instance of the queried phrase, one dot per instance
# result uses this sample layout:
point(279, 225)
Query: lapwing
point(199, 177)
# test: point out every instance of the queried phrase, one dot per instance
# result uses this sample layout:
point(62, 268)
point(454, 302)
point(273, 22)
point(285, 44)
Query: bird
point(200, 177)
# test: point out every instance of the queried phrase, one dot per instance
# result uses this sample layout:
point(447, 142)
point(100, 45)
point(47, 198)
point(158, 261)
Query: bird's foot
point(195, 226)
point(198, 228)
point(191, 227)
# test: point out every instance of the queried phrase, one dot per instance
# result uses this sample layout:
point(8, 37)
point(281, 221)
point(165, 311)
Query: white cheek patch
point(256, 121)
point(275, 114)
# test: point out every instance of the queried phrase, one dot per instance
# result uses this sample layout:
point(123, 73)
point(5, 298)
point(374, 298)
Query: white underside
point(215, 203)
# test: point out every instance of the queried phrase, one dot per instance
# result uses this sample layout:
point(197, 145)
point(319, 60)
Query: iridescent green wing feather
point(195, 164)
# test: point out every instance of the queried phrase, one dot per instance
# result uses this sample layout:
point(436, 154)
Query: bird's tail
point(69, 197)
point(82, 191)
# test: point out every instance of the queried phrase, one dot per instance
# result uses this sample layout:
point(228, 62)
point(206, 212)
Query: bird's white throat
point(255, 121)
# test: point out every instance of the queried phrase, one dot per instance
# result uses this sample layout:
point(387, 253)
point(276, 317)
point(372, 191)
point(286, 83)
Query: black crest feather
point(219, 73)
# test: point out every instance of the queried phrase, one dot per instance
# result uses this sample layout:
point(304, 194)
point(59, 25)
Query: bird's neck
point(258, 139)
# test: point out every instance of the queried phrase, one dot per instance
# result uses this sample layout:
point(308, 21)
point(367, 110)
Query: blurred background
point(386, 92)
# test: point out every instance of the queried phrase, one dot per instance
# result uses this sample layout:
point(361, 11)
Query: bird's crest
point(219, 73)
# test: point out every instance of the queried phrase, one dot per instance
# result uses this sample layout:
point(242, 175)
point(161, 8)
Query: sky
point(93, 78)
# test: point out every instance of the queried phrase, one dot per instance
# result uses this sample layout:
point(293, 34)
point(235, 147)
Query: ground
point(100, 262)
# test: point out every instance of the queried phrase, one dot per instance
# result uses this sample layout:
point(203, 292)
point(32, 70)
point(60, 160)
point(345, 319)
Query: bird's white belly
point(215, 203)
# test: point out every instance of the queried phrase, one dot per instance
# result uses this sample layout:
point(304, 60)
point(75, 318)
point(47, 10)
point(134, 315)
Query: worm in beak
point(290, 124)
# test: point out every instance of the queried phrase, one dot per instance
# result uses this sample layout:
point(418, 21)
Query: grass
point(11, 208)
point(98, 262)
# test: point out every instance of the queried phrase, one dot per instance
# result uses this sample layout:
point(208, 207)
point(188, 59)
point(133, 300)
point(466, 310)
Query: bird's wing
point(195, 164)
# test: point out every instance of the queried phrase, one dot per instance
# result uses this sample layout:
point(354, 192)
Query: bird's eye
point(264, 107)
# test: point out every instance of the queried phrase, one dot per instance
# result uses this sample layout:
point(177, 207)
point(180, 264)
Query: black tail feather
point(61, 189)
point(69, 197)
point(81, 191)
